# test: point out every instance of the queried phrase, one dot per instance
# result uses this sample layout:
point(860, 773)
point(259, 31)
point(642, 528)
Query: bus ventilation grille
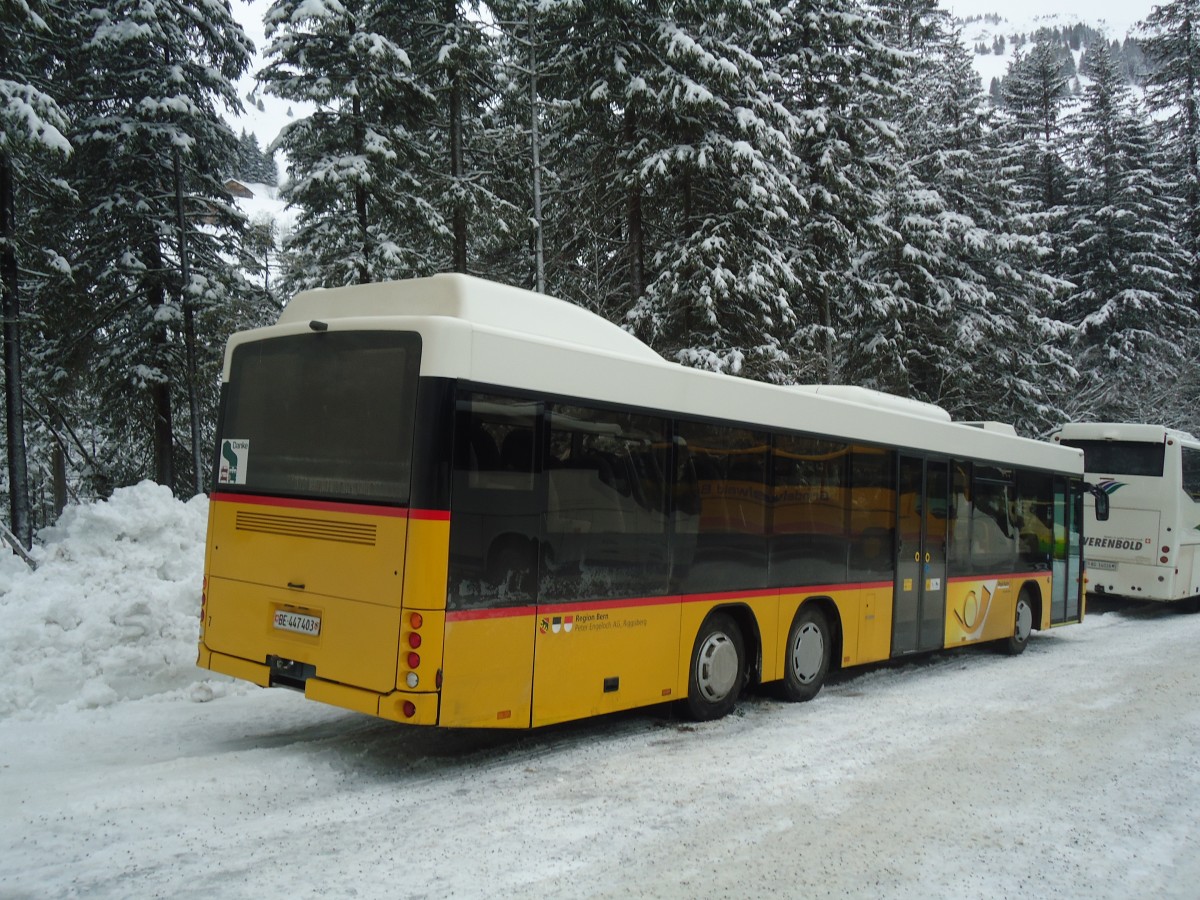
point(316, 529)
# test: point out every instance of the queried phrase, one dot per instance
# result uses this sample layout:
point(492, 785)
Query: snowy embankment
point(111, 613)
point(1070, 771)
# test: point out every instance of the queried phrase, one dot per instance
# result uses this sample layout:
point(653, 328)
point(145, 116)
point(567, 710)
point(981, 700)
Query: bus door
point(1067, 564)
point(497, 496)
point(918, 618)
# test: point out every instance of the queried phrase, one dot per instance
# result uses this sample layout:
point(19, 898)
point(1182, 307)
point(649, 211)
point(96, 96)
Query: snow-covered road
point(1070, 771)
point(125, 772)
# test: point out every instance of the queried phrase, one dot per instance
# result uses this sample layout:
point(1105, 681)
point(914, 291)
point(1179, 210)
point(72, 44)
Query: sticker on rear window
point(235, 459)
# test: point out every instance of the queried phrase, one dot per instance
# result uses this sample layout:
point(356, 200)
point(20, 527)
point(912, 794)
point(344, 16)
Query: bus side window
point(1191, 473)
point(872, 511)
point(495, 505)
point(959, 556)
point(808, 512)
point(605, 527)
point(731, 549)
point(993, 537)
point(1035, 518)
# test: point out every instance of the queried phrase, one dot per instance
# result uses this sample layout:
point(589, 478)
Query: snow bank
point(111, 612)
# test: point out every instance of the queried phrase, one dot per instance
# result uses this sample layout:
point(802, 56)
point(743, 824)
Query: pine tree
point(836, 74)
point(1173, 95)
point(953, 320)
point(154, 231)
point(600, 93)
point(723, 283)
point(31, 127)
point(1130, 303)
point(1036, 90)
point(463, 143)
point(357, 160)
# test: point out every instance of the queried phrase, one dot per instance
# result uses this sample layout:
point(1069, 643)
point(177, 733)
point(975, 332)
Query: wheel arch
point(834, 617)
point(1033, 590)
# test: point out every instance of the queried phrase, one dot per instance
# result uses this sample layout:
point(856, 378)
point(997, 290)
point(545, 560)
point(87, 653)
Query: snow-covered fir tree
point(837, 75)
point(959, 314)
point(721, 169)
point(145, 85)
point(1131, 302)
point(1172, 49)
point(31, 145)
point(356, 161)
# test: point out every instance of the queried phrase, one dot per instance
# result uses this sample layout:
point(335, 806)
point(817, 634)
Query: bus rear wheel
point(718, 668)
point(1022, 625)
point(807, 660)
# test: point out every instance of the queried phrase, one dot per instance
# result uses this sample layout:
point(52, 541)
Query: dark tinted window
point(959, 512)
point(326, 415)
point(605, 529)
point(808, 523)
point(872, 512)
point(722, 500)
point(496, 503)
point(1121, 457)
point(1191, 473)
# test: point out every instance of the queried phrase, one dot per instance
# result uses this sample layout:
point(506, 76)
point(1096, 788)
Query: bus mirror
point(1101, 502)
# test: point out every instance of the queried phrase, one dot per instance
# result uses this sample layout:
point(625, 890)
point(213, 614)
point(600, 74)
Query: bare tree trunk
point(459, 212)
point(360, 197)
point(160, 391)
point(539, 247)
point(189, 333)
point(18, 471)
point(633, 215)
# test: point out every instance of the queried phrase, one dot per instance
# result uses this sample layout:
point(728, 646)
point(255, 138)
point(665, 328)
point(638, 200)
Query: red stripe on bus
point(435, 515)
point(361, 509)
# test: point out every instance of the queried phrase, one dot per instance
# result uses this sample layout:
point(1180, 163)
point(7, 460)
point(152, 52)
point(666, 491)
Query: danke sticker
point(235, 460)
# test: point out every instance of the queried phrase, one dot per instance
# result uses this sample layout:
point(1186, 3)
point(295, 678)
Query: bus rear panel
point(1147, 549)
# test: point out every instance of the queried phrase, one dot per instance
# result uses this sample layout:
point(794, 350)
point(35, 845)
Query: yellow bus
point(449, 502)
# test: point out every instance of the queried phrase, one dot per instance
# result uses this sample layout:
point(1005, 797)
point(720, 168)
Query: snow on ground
point(1070, 771)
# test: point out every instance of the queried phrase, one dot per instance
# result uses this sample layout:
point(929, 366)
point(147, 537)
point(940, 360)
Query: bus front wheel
point(1022, 625)
point(807, 661)
point(718, 668)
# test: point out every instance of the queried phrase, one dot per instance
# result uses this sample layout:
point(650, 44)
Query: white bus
point(1148, 548)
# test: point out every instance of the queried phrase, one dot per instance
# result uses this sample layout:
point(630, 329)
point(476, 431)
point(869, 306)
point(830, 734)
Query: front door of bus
point(918, 620)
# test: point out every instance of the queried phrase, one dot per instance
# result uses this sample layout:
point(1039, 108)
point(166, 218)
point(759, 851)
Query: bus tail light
point(416, 620)
point(410, 709)
point(414, 660)
point(414, 640)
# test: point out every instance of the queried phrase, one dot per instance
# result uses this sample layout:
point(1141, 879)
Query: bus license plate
point(1104, 564)
point(286, 620)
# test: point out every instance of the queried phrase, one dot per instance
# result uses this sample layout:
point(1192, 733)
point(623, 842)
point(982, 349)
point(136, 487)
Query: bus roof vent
point(877, 399)
point(997, 427)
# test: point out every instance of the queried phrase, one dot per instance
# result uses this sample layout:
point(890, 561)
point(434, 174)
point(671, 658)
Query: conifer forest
point(794, 191)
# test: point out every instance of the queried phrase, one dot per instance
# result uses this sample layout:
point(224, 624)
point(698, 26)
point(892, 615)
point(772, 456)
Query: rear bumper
point(394, 705)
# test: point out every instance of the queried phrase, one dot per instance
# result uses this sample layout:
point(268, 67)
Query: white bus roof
point(1120, 431)
point(493, 334)
point(470, 299)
